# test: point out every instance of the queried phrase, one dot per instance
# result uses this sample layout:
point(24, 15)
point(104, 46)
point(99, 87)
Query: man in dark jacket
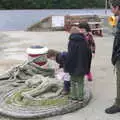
point(115, 6)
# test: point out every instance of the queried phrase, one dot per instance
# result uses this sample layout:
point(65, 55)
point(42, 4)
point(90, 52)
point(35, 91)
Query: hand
point(93, 55)
point(52, 58)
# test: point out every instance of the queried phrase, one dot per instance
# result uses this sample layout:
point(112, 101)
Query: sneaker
point(90, 79)
point(113, 109)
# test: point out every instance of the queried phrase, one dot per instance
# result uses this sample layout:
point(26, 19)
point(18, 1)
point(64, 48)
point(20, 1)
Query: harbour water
point(22, 19)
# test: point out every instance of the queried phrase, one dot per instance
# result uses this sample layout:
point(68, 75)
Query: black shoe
point(90, 80)
point(113, 109)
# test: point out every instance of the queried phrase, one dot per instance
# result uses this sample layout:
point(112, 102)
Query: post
point(106, 6)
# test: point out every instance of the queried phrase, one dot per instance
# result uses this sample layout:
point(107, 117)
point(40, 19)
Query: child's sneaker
point(89, 76)
point(90, 79)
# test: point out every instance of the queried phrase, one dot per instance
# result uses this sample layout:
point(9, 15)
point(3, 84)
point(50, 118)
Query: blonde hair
point(75, 29)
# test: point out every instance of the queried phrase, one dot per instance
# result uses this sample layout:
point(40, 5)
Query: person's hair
point(85, 25)
point(115, 3)
point(74, 29)
point(52, 53)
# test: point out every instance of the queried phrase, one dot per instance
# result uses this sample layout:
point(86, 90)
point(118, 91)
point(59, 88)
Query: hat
point(85, 25)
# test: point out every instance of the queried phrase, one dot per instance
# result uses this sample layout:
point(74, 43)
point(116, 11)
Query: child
point(77, 63)
point(85, 28)
point(60, 58)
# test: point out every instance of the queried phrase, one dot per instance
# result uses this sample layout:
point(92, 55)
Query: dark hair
point(85, 25)
point(115, 3)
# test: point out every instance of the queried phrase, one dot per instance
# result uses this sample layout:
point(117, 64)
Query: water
point(22, 19)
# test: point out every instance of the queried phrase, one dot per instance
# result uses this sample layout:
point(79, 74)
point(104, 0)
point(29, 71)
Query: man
point(115, 7)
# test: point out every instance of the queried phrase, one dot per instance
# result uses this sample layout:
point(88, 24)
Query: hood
point(78, 37)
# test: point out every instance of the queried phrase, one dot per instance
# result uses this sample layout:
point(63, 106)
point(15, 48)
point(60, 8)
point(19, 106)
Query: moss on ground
point(17, 98)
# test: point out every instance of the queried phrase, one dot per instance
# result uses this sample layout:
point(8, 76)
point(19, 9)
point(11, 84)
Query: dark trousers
point(118, 82)
point(67, 86)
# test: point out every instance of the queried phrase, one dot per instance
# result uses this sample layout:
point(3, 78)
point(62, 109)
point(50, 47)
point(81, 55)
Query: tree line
point(51, 4)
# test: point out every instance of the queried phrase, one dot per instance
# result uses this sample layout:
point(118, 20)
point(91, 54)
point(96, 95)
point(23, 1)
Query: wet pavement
point(13, 51)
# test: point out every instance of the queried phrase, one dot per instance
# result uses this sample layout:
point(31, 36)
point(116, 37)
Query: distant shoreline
point(22, 19)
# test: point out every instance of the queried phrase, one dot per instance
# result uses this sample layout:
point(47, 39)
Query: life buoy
point(112, 20)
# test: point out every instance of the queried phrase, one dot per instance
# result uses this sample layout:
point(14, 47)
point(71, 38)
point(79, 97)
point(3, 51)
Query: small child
point(85, 28)
point(77, 62)
point(60, 58)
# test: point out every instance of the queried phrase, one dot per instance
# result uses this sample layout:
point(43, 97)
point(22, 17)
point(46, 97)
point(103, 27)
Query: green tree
point(51, 4)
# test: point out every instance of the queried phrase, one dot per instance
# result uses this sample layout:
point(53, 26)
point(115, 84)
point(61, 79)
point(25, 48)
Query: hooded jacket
point(78, 58)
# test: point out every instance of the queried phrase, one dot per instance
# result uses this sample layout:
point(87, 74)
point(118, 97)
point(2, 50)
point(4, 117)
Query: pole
point(106, 6)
